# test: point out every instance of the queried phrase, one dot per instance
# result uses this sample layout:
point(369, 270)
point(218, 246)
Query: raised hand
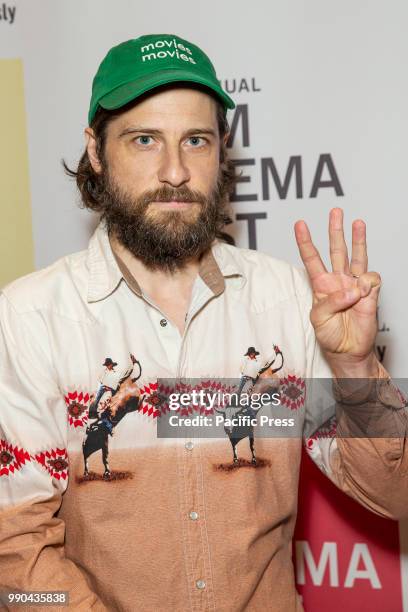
point(344, 300)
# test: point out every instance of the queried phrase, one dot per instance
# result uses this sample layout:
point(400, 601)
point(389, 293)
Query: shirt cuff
point(360, 391)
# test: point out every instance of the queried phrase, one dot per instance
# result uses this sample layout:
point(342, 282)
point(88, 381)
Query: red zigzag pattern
point(13, 458)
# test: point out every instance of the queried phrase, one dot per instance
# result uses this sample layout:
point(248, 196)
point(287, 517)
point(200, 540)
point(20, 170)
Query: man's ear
point(91, 149)
point(226, 137)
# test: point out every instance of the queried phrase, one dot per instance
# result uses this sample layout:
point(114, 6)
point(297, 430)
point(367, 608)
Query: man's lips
point(173, 204)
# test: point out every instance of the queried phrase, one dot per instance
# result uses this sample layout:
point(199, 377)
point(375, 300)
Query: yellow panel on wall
point(16, 238)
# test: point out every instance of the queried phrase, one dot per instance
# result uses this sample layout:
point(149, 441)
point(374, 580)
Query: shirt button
point(200, 584)
point(163, 322)
point(189, 445)
point(193, 515)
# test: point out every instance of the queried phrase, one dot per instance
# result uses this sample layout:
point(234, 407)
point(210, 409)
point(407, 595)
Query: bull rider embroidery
point(253, 372)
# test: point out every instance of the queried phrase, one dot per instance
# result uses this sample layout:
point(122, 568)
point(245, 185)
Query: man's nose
point(173, 169)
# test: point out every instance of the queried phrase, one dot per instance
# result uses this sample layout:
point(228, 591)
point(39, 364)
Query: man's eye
point(143, 140)
point(196, 141)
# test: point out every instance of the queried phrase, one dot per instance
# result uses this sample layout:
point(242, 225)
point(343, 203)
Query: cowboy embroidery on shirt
point(117, 395)
point(253, 372)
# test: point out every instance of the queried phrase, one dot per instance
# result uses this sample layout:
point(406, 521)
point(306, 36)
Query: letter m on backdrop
point(328, 558)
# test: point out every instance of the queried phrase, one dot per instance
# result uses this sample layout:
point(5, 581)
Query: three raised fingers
point(338, 248)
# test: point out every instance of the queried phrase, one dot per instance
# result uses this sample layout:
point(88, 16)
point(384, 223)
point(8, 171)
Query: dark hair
point(91, 184)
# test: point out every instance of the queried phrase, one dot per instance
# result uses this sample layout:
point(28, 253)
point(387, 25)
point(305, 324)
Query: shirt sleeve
point(355, 431)
point(33, 464)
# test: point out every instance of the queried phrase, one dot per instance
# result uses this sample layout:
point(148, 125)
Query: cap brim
point(133, 89)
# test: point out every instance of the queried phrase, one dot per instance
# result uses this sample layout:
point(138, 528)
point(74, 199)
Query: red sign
point(345, 556)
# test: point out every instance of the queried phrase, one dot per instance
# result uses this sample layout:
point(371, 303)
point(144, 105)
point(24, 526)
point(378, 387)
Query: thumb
point(335, 302)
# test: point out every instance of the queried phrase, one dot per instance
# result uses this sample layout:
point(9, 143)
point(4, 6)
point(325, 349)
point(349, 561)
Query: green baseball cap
point(139, 65)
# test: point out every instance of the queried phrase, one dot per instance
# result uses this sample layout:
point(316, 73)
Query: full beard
point(161, 239)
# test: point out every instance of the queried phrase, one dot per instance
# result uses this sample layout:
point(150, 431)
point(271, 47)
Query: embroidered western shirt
point(100, 506)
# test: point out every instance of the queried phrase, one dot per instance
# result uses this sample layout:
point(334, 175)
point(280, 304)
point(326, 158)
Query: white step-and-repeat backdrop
point(321, 121)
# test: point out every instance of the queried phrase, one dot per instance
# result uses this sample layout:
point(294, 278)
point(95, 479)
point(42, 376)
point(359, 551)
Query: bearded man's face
point(164, 192)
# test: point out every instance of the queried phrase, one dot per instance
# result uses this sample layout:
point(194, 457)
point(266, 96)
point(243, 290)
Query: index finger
point(308, 252)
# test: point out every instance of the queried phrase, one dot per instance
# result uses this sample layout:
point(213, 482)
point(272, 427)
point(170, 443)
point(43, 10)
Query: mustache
point(168, 194)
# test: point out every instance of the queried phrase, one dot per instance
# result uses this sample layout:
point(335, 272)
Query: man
point(249, 368)
point(188, 530)
point(106, 388)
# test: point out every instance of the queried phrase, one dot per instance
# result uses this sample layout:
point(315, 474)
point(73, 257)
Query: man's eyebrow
point(205, 130)
point(138, 128)
point(154, 131)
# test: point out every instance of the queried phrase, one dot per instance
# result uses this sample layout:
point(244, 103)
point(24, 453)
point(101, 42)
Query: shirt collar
point(106, 270)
